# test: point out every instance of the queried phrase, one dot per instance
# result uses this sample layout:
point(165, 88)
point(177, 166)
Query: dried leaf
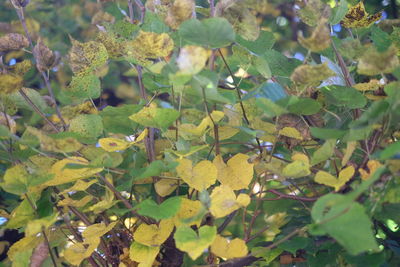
point(85, 58)
point(358, 17)
point(373, 62)
point(311, 75)
point(372, 165)
point(13, 41)
point(45, 58)
point(178, 12)
point(10, 83)
point(319, 39)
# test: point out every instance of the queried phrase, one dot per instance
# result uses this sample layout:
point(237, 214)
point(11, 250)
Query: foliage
point(195, 133)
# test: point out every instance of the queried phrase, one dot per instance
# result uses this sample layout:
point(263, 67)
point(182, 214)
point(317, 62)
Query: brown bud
point(20, 3)
point(13, 41)
point(45, 58)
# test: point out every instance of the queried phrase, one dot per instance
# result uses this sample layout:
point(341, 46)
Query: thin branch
point(37, 110)
point(282, 195)
point(239, 97)
point(21, 16)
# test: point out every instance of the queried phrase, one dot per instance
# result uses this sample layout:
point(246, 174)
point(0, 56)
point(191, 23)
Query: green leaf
point(33, 95)
point(155, 168)
point(304, 106)
point(295, 244)
point(343, 96)
point(324, 133)
point(279, 64)
point(346, 221)
point(380, 38)
point(212, 32)
point(87, 125)
point(338, 12)
point(264, 42)
point(155, 117)
point(270, 108)
point(186, 239)
point(116, 119)
point(272, 91)
point(165, 210)
point(390, 151)
point(324, 152)
point(84, 87)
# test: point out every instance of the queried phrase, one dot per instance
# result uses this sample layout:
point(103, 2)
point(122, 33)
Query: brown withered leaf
point(45, 58)
point(311, 75)
point(373, 62)
point(319, 39)
point(86, 57)
point(13, 41)
point(180, 11)
point(10, 83)
point(358, 17)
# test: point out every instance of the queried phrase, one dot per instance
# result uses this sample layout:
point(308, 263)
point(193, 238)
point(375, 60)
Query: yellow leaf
point(358, 17)
point(224, 201)
point(188, 213)
point(22, 245)
point(237, 173)
point(36, 226)
point(229, 249)
point(165, 187)
point(372, 85)
point(113, 144)
point(192, 59)
point(319, 40)
point(64, 175)
point(226, 132)
point(275, 222)
point(300, 167)
point(351, 146)
point(77, 252)
point(153, 235)
point(79, 185)
point(199, 177)
point(10, 83)
point(372, 165)
point(205, 125)
point(145, 255)
point(290, 132)
point(149, 45)
point(326, 178)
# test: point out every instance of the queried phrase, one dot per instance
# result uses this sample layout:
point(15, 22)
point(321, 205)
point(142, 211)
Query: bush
point(176, 133)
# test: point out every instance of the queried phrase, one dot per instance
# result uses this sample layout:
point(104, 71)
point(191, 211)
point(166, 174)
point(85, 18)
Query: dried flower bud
point(20, 3)
point(13, 41)
point(45, 58)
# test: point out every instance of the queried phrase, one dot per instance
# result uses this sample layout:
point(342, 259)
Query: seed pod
point(13, 41)
point(45, 58)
